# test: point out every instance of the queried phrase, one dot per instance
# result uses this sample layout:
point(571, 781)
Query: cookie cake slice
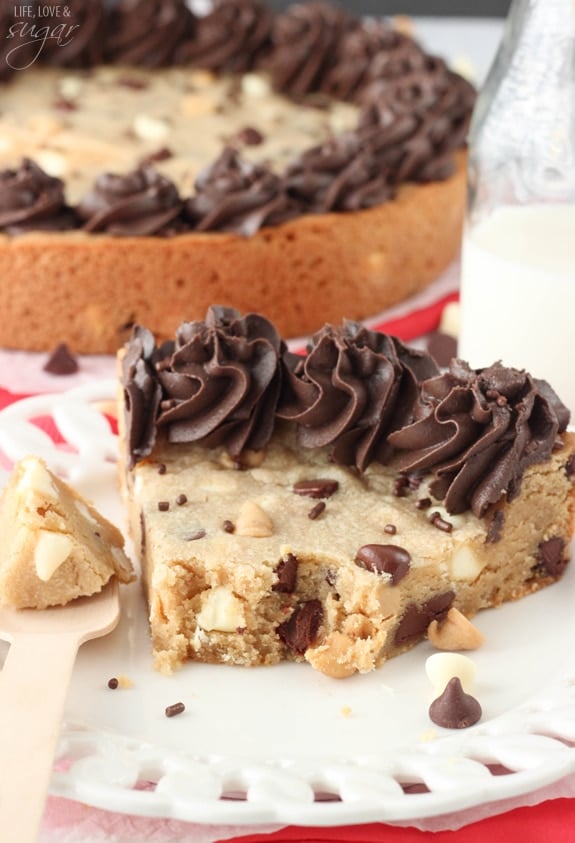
point(330, 507)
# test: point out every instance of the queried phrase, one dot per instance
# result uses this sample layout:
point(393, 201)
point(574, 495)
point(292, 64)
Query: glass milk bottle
point(518, 260)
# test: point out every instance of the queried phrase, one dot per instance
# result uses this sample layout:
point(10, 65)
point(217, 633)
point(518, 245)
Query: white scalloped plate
point(285, 744)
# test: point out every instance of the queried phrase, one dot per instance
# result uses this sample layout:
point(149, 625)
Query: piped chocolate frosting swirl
point(477, 431)
point(86, 23)
point(30, 199)
point(148, 32)
point(305, 39)
point(235, 195)
point(361, 394)
point(350, 390)
point(142, 202)
point(219, 382)
point(231, 38)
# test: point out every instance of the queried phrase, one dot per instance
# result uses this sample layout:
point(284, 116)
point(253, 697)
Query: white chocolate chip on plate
point(441, 667)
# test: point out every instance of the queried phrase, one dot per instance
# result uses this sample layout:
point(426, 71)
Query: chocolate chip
point(316, 510)
point(390, 529)
point(455, 709)
point(318, 488)
point(133, 83)
point(250, 136)
point(440, 522)
point(63, 104)
point(181, 500)
point(495, 529)
point(163, 506)
point(228, 526)
point(570, 466)
point(384, 559)
point(286, 572)
point(300, 631)
point(161, 468)
point(197, 534)
point(175, 709)
point(162, 154)
point(61, 361)
point(551, 555)
point(416, 618)
point(442, 347)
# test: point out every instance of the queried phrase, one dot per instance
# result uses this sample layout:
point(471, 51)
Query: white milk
point(518, 294)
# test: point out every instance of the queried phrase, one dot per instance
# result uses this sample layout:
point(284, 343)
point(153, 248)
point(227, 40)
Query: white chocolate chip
point(150, 128)
point(441, 667)
point(52, 162)
point(51, 551)
point(253, 521)
point(70, 87)
point(221, 610)
point(254, 85)
point(450, 320)
point(456, 632)
point(36, 478)
point(465, 565)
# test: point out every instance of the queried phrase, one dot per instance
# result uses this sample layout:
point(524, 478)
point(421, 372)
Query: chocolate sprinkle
point(61, 361)
point(570, 466)
point(384, 559)
point(181, 500)
point(455, 709)
point(197, 534)
point(441, 523)
point(316, 511)
point(163, 506)
point(390, 529)
point(401, 486)
point(423, 503)
point(228, 526)
point(161, 468)
point(175, 709)
point(318, 488)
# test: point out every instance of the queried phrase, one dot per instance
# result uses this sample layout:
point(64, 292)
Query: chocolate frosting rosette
point(237, 196)
point(221, 383)
point(231, 38)
point(142, 393)
point(82, 45)
point(425, 112)
point(477, 431)
point(368, 50)
point(342, 174)
point(140, 203)
point(353, 387)
point(305, 38)
point(32, 200)
point(148, 32)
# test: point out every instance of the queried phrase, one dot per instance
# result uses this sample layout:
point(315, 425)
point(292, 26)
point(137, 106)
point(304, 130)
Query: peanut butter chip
point(253, 521)
point(456, 632)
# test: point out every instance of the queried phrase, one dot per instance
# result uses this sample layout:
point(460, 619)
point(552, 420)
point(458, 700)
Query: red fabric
point(552, 821)
point(418, 322)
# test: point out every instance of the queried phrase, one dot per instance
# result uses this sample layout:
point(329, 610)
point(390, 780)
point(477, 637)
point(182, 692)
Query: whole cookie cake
point(335, 507)
point(306, 165)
